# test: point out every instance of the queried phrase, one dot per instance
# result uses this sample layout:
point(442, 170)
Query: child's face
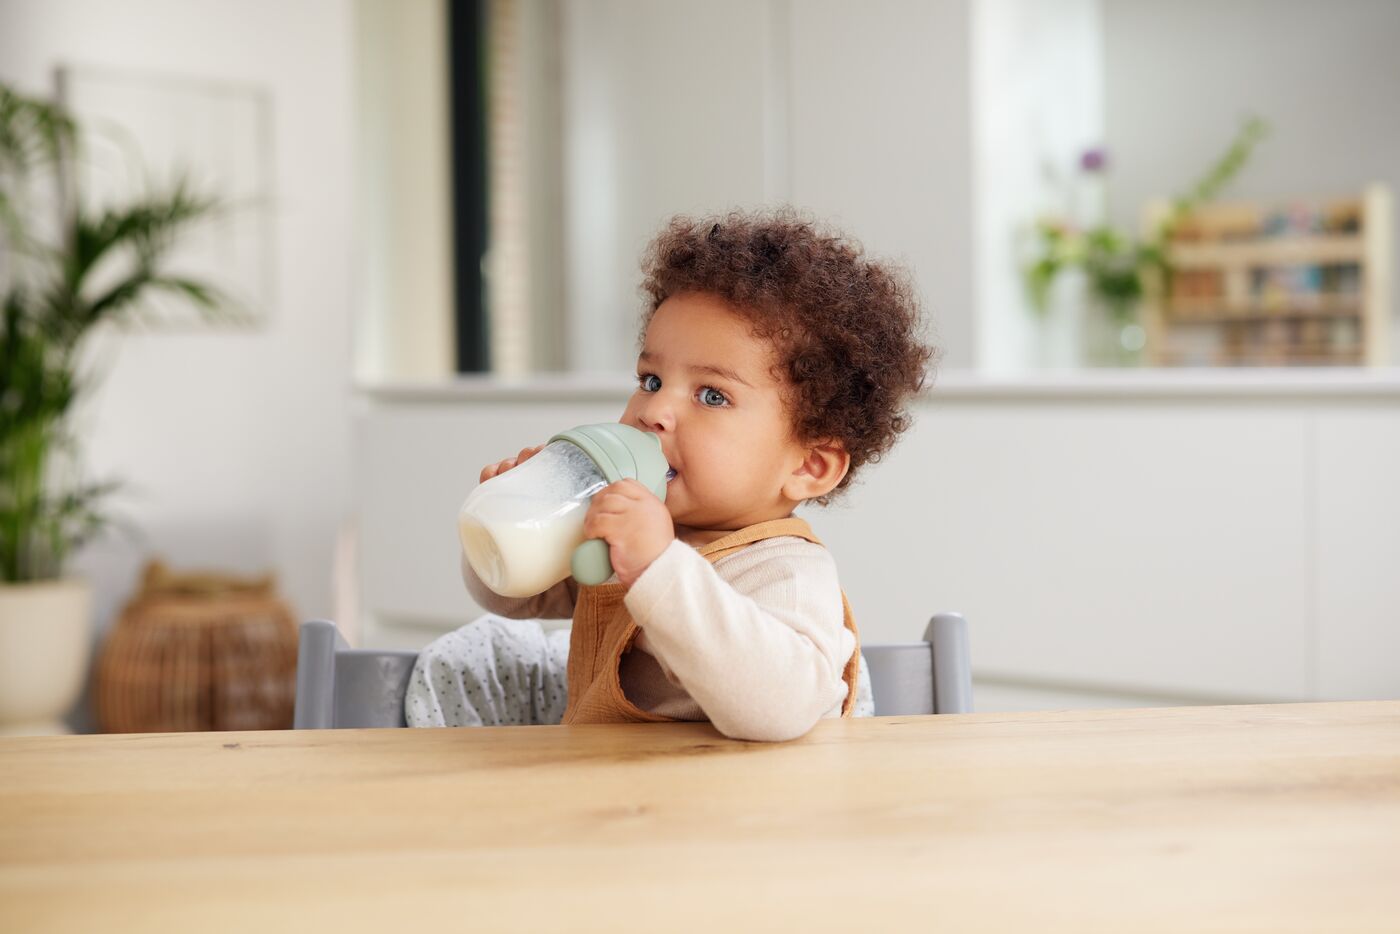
point(705, 389)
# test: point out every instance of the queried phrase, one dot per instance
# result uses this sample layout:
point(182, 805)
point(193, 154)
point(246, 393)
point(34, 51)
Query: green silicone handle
point(590, 562)
point(620, 451)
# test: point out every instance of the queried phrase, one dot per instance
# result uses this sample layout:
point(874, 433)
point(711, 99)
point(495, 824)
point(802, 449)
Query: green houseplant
point(65, 270)
point(1117, 265)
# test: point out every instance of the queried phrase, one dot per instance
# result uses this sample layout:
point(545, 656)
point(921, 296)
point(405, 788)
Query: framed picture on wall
point(141, 132)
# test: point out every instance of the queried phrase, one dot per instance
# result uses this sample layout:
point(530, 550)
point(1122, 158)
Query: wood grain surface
point(1259, 818)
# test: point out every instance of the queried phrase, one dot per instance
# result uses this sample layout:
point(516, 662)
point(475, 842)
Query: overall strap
point(773, 528)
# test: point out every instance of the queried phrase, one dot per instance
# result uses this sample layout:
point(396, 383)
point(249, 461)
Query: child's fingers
point(609, 510)
point(500, 467)
point(598, 524)
point(628, 489)
point(613, 503)
point(619, 496)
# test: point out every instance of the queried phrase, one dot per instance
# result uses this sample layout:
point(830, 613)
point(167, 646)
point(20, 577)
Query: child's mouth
point(670, 474)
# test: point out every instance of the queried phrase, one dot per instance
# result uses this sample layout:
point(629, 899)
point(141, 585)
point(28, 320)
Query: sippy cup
point(522, 530)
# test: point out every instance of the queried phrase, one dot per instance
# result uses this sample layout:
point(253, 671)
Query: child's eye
point(712, 398)
point(645, 382)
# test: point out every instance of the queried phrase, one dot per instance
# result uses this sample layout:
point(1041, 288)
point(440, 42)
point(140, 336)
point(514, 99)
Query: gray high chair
point(343, 688)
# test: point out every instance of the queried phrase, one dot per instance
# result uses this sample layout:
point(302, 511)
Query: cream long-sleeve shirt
point(755, 642)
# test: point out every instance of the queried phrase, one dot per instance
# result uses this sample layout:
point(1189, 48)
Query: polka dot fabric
point(491, 672)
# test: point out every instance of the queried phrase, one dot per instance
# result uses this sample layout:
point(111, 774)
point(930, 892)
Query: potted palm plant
point(58, 283)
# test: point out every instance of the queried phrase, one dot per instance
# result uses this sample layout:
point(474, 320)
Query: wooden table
point(1265, 818)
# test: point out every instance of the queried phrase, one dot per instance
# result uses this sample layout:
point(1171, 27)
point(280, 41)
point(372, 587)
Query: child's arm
point(761, 649)
point(555, 603)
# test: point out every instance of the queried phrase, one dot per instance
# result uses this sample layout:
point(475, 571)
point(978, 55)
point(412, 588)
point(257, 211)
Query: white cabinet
point(1152, 546)
point(1357, 553)
point(1170, 542)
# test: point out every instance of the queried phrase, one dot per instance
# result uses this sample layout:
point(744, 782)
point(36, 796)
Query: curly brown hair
point(846, 329)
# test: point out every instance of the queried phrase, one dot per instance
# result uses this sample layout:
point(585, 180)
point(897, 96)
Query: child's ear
point(824, 466)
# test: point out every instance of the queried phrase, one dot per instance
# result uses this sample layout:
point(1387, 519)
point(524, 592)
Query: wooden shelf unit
point(1298, 282)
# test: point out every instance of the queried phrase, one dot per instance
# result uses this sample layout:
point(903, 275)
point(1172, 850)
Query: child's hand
point(635, 524)
point(500, 467)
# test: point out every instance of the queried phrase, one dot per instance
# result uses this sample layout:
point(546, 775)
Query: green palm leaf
point(51, 302)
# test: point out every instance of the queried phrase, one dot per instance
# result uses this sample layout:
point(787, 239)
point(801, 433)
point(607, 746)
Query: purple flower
point(1094, 160)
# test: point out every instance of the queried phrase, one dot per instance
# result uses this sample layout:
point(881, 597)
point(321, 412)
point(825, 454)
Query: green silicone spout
point(621, 453)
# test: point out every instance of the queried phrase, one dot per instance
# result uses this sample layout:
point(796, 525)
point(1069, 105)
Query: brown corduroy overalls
point(603, 631)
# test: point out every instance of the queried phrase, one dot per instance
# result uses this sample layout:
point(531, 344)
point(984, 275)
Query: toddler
point(775, 362)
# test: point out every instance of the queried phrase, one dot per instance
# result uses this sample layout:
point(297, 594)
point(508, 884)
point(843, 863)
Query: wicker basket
point(198, 652)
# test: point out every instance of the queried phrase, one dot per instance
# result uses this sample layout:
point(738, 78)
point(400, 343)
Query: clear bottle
point(522, 530)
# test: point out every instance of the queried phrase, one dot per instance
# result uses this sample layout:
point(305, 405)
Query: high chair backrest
point(932, 676)
point(344, 688)
point(341, 687)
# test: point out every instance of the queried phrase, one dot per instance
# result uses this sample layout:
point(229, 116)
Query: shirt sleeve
point(761, 653)
point(555, 603)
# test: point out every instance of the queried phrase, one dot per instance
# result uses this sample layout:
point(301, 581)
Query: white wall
point(858, 113)
point(1037, 69)
point(922, 128)
point(405, 293)
point(1180, 76)
point(881, 142)
point(235, 444)
point(662, 114)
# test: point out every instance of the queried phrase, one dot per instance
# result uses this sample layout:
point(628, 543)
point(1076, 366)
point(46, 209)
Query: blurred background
point(1154, 242)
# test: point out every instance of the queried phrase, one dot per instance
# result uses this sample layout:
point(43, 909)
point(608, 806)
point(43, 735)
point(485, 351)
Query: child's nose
point(657, 414)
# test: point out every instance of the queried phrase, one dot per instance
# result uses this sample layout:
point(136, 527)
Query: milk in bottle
point(520, 528)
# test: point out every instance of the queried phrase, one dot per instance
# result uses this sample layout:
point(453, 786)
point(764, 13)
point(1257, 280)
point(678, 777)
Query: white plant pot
point(45, 641)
